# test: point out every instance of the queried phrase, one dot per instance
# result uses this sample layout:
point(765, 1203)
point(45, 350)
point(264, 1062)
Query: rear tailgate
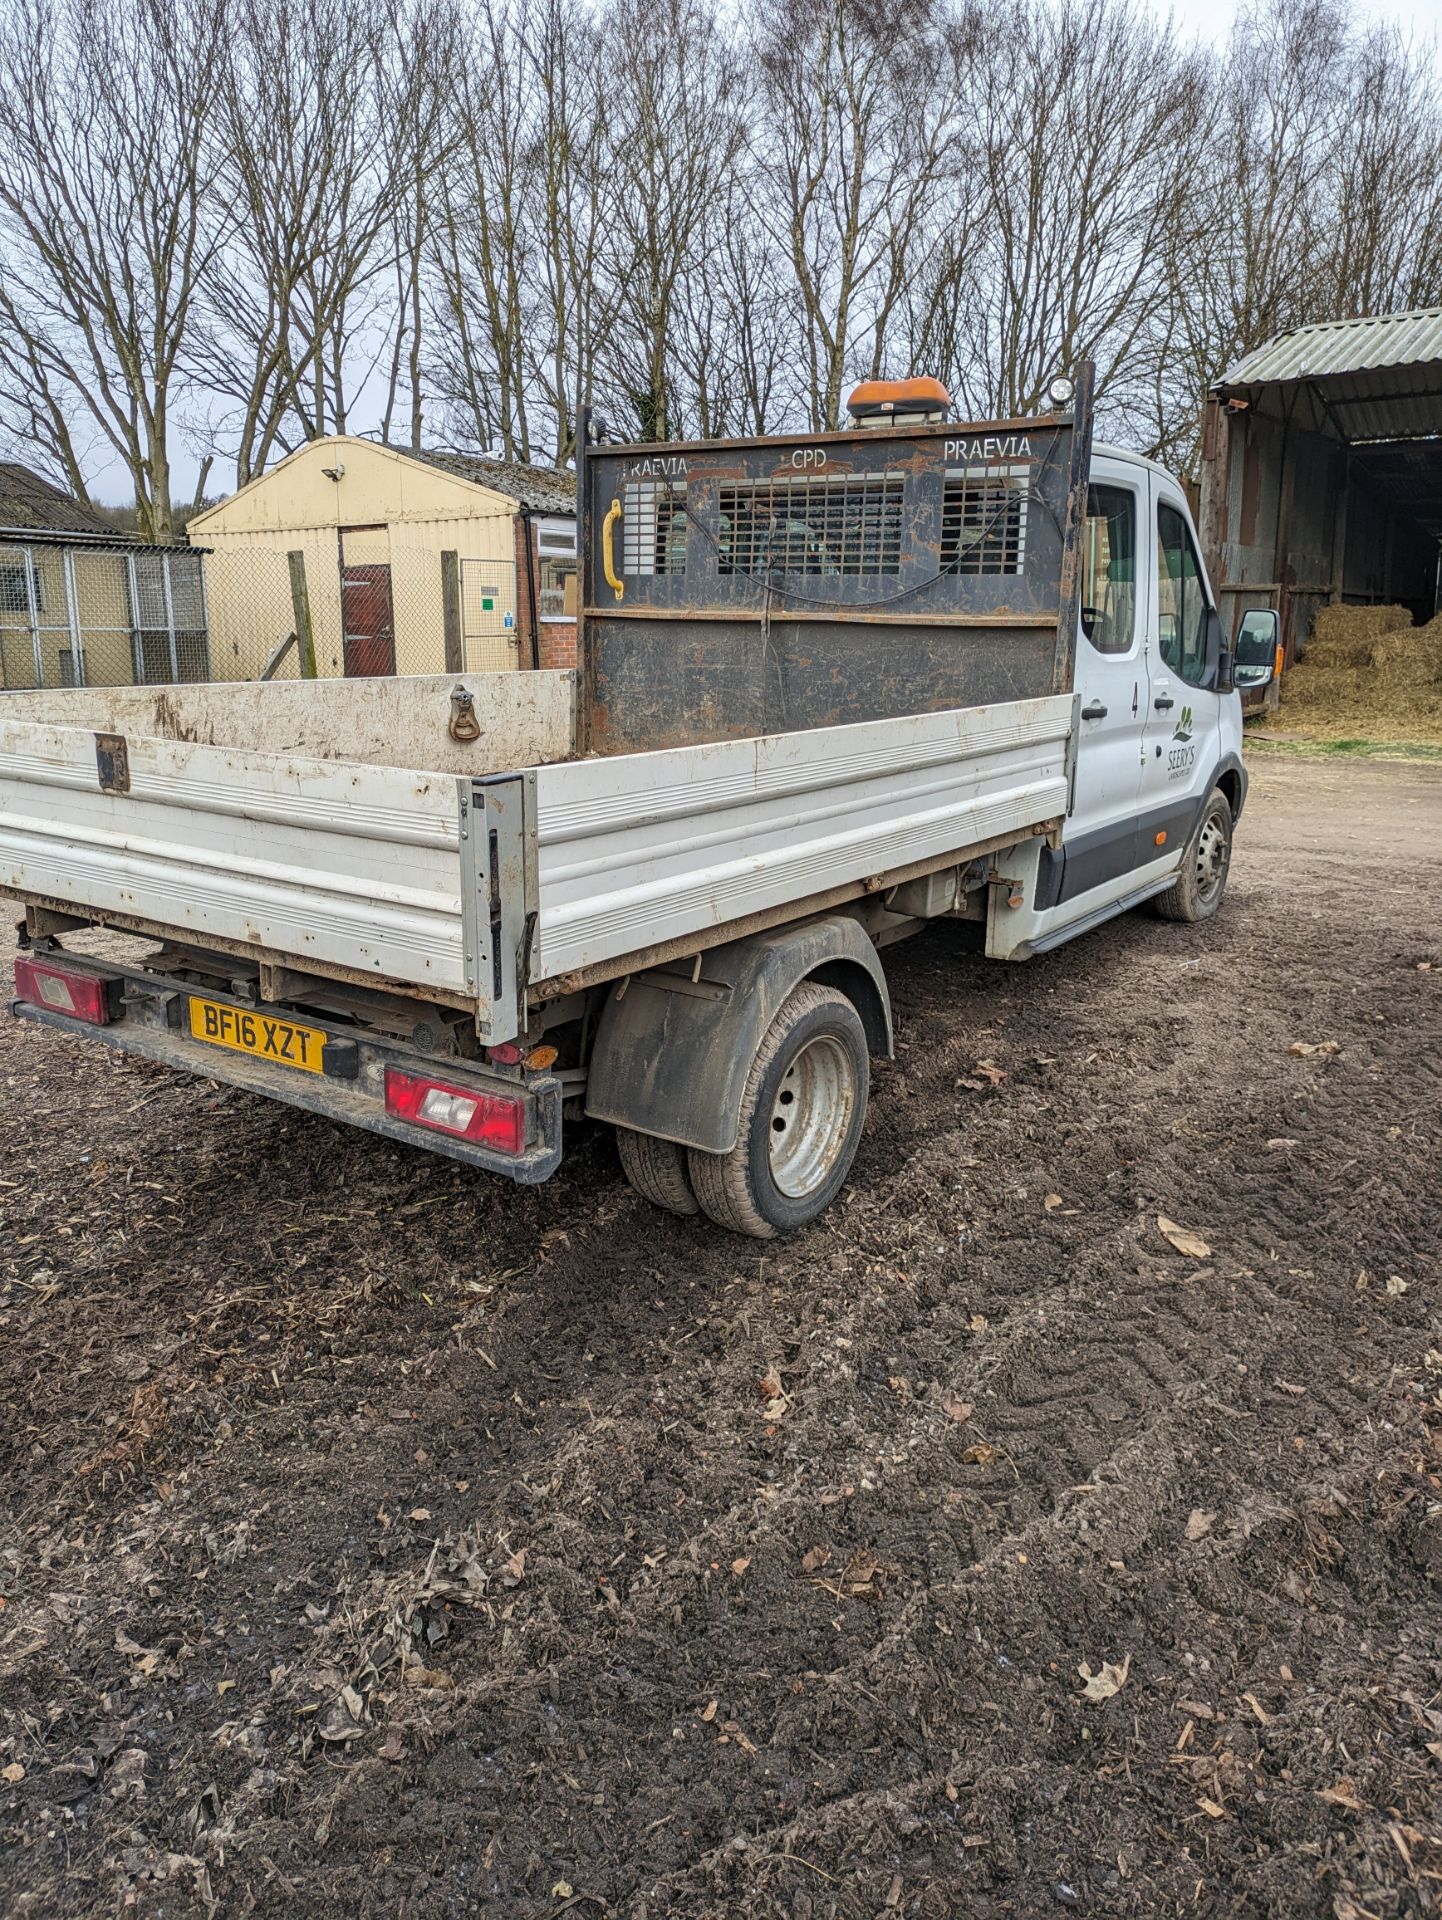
point(352, 868)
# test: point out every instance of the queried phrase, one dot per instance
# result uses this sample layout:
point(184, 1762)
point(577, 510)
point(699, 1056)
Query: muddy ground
point(380, 1540)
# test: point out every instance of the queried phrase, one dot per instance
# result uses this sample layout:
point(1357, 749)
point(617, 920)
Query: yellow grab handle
point(613, 514)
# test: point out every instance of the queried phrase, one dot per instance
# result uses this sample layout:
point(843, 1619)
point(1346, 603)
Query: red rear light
point(493, 1119)
point(80, 996)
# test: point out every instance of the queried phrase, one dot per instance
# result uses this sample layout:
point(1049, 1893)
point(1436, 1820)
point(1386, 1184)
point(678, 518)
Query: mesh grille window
point(653, 527)
point(847, 524)
point(983, 520)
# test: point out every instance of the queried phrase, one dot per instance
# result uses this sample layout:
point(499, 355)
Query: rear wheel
point(1197, 891)
point(801, 1118)
point(657, 1170)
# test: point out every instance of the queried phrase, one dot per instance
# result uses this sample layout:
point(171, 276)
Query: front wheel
point(801, 1118)
point(1197, 891)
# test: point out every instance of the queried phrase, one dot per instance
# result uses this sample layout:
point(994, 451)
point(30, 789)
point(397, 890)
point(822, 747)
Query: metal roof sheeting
point(1378, 379)
point(1343, 346)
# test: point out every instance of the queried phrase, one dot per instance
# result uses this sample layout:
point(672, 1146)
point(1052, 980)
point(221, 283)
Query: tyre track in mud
point(890, 1629)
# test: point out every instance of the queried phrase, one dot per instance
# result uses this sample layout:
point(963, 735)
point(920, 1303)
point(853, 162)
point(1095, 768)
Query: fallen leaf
point(1108, 1681)
point(514, 1569)
point(343, 1718)
point(1304, 1049)
point(958, 1409)
point(708, 1712)
point(861, 1569)
point(419, 1513)
point(1200, 1523)
point(433, 1677)
point(1396, 1284)
point(771, 1387)
point(13, 1774)
point(1344, 1794)
point(561, 1890)
point(978, 1323)
point(224, 1686)
point(1212, 1810)
point(738, 1567)
point(993, 1074)
point(1197, 1708)
point(1182, 1239)
point(813, 1558)
point(980, 1455)
point(1052, 1202)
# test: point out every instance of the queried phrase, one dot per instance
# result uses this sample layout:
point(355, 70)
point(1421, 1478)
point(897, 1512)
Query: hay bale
point(1368, 674)
point(1347, 636)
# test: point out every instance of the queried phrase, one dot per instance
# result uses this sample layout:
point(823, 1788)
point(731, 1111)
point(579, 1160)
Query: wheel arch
point(1230, 780)
point(671, 1055)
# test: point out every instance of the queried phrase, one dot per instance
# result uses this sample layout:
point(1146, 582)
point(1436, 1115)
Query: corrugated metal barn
point(1322, 471)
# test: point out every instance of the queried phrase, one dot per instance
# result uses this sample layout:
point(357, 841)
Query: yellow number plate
point(261, 1034)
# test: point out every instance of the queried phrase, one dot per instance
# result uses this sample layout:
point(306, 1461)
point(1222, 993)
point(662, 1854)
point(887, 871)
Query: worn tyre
point(802, 1113)
point(657, 1170)
point(1197, 891)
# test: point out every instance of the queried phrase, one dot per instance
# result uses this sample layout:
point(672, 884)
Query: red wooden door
point(367, 620)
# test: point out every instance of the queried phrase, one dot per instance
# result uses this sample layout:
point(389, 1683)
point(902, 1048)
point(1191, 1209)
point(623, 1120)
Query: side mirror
point(1258, 642)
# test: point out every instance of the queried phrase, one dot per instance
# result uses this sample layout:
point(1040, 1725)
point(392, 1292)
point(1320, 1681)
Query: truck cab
point(1159, 721)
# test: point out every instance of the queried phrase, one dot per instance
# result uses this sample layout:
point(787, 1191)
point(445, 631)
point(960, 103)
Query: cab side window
point(1109, 569)
point(1182, 605)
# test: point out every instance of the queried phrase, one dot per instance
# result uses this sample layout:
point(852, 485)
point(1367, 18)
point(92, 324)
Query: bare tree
point(110, 218)
point(853, 145)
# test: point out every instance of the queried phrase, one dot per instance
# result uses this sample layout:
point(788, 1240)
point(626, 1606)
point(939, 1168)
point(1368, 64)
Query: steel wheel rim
point(811, 1116)
point(1211, 857)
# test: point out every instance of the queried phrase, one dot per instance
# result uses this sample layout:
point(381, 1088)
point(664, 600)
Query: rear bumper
point(149, 1026)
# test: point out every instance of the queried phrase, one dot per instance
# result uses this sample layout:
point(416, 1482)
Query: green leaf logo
point(1183, 729)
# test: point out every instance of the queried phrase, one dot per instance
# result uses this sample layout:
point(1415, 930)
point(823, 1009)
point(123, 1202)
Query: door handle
point(1096, 711)
point(608, 566)
point(1164, 703)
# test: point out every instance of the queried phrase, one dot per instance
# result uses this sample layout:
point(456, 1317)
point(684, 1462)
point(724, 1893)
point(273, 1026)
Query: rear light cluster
point(81, 996)
point(464, 1112)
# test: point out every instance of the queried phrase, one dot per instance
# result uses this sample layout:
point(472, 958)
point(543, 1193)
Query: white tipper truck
point(830, 688)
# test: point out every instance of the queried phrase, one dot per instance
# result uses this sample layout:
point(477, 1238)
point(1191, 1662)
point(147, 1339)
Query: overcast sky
point(1212, 18)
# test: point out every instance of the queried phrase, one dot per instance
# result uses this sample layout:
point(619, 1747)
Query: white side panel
point(359, 866)
point(353, 865)
point(650, 847)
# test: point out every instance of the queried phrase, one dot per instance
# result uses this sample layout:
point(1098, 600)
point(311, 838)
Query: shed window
point(826, 525)
point(14, 594)
point(983, 520)
point(556, 569)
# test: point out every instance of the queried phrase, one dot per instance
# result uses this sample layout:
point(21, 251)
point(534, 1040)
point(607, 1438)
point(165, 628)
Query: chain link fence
point(89, 613)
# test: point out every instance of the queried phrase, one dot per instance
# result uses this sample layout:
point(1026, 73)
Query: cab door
point(1182, 738)
point(1099, 842)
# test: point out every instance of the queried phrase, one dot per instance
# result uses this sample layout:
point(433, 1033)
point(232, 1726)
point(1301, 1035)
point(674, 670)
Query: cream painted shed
point(414, 562)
